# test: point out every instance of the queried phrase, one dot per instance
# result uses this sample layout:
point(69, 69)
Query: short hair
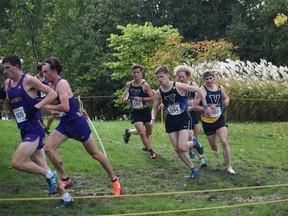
point(183, 68)
point(161, 69)
point(39, 67)
point(53, 63)
point(207, 74)
point(13, 59)
point(135, 66)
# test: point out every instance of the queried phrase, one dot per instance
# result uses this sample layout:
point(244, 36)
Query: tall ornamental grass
point(258, 92)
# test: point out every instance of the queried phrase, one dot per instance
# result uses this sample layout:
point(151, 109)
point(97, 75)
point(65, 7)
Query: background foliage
point(86, 36)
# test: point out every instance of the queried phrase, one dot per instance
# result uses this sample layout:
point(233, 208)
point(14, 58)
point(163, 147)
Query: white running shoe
point(231, 171)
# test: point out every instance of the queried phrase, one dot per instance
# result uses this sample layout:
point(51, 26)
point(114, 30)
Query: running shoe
point(198, 146)
point(192, 153)
point(66, 184)
point(153, 156)
point(64, 204)
point(126, 136)
point(202, 162)
point(52, 183)
point(117, 187)
point(230, 170)
point(193, 174)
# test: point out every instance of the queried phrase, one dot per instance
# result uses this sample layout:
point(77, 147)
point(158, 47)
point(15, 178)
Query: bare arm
point(208, 111)
point(147, 88)
point(156, 104)
point(64, 91)
point(38, 85)
point(196, 104)
point(225, 97)
point(125, 95)
point(6, 100)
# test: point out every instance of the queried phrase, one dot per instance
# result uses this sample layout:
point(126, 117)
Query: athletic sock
point(65, 179)
point(115, 180)
point(49, 174)
point(151, 151)
point(66, 197)
point(194, 169)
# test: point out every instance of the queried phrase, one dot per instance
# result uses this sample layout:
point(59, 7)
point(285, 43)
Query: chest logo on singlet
point(215, 99)
point(135, 92)
point(170, 98)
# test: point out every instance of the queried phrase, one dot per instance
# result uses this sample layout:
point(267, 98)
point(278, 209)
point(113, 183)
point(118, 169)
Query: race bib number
point(137, 104)
point(217, 112)
point(62, 114)
point(174, 109)
point(19, 114)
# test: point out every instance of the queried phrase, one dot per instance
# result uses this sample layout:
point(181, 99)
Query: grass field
point(154, 187)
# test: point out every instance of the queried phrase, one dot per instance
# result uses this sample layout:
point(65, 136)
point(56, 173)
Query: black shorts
point(210, 128)
point(177, 122)
point(141, 115)
point(194, 116)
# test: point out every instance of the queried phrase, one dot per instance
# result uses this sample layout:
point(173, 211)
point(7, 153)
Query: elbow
point(66, 109)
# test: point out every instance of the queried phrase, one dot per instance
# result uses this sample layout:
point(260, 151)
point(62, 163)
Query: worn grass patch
point(259, 154)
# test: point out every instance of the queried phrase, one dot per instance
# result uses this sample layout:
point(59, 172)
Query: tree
point(253, 31)
point(136, 44)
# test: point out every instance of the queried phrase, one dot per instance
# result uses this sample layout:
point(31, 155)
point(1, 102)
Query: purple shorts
point(31, 136)
point(77, 129)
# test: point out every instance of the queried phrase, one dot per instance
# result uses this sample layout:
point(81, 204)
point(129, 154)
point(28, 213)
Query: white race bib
point(217, 112)
point(174, 109)
point(19, 114)
point(137, 104)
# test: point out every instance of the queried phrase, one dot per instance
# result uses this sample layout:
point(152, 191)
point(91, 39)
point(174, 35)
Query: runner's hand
point(30, 114)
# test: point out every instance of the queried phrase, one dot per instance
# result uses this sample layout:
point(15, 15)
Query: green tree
point(252, 30)
point(136, 44)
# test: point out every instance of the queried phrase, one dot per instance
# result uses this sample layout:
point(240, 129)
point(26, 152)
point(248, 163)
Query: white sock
point(49, 174)
point(66, 197)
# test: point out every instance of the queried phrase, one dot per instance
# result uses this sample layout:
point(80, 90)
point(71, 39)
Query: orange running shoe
point(66, 184)
point(117, 187)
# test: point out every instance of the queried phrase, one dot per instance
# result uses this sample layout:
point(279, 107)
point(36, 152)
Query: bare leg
point(39, 158)
point(50, 121)
point(54, 140)
point(222, 134)
point(142, 132)
point(25, 150)
point(179, 142)
point(91, 148)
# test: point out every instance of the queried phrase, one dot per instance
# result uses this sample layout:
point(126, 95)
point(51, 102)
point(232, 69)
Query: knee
point(16, 164)
point(179, 149)
point(48, 149)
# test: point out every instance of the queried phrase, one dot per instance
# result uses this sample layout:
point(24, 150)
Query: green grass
point(259, 153)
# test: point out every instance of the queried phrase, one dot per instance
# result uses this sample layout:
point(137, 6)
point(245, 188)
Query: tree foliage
point(76, 32)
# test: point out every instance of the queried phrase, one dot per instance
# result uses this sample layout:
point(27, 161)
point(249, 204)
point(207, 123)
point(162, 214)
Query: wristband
point(205, 106)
